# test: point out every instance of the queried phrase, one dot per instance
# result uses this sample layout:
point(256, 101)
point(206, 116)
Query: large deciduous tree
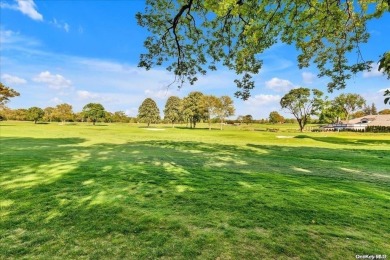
point(302, 103)
point(190, 37)
point(330, 113)
point(349, 103)
point(211, 104)
point(172, 110)
point(49, 114)
point(94, 112)
point(193, 108)
point(225, 108)
point(35, 113)
point(148, 112)
point(63, 112)
point(6, 93)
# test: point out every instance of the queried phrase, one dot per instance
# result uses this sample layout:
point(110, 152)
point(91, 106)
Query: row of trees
point(302, 103)
point(192, 109)
point(92, 112)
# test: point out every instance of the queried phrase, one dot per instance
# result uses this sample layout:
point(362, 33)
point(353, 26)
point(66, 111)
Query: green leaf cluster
point(190, 37)
point(93, 111)
point(148, 112)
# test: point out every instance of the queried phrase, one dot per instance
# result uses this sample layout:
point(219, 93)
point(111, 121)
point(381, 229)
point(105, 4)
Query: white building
point(360, 123)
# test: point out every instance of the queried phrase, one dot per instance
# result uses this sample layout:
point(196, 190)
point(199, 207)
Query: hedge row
point(378, 129)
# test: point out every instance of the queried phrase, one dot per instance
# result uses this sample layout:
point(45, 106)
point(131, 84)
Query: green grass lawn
point(127, 192)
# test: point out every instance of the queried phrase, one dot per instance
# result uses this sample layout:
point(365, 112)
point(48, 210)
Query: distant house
point(360, 124)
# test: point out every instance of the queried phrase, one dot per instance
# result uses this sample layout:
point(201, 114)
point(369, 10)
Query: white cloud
point(61, 25)
point(56, 101)
point(279, 85)
point(13, 40)
point(12, 80)
point(263, 99)
point(308, 77)
point(84, 94)
point(374, 72)
point(159, 94)
point(53, 81)
point(132, 111)
point(26, 7)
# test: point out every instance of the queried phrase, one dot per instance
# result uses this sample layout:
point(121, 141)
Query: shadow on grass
point(187, 200)
point(345, 141)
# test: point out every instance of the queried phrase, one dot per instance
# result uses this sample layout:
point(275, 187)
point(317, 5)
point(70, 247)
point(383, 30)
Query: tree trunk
point(93, 122)
point(301, 125)
point(35, 121)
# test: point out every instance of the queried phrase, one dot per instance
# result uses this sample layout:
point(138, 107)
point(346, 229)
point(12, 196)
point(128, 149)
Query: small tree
point(148, 112)
point(172, 110)
point(275, 118)
point(35, 113)
point(349, 103)
point(94, 112)
point(225, 108)
point(302, 104)
point(247, 119)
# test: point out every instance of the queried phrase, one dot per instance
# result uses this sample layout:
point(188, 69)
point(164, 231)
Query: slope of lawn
point(127, 192)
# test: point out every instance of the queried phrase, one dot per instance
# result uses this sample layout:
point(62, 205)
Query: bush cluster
point(378, 129)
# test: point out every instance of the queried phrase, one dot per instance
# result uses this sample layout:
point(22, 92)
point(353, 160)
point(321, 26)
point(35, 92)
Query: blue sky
point(77, 52)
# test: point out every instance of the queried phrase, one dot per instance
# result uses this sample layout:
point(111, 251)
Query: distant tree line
point(302, 103)
point(92, 112)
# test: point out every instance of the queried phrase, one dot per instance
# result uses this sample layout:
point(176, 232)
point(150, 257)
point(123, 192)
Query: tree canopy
point(172, 110)
point(63, 112)
point(302, 104)
point(35, 113)
point(193, 108)
point(211, 104)
point(148, 112)
point(93, 111)
point(275, 118)
point(190, 37)
point(349, 103)
point(387, 96)
point(225, 108)
point(6, 93)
